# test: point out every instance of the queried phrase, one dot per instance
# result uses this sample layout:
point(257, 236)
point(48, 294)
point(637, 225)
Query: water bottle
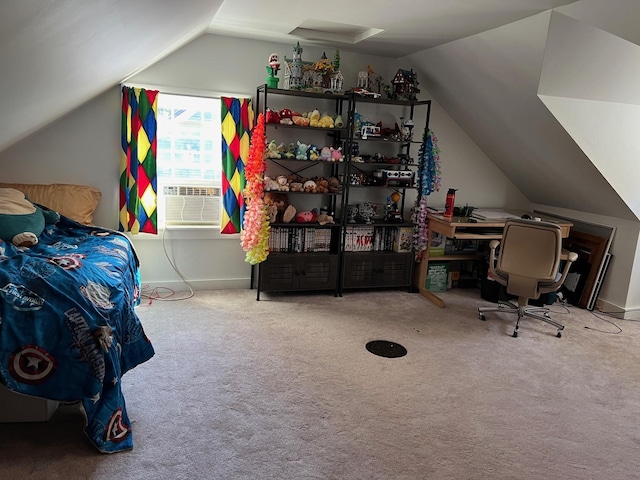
point(450, 203)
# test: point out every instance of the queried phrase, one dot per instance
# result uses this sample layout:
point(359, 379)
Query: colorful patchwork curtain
point(237, 122)
point(138, 179)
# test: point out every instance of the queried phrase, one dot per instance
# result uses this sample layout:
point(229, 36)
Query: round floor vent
point(385, 348)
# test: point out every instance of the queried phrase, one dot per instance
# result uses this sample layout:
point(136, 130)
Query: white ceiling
point(58, 54)
point(377, 27)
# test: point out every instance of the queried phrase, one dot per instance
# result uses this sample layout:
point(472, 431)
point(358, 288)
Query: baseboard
point(200, 285)
point(617, 311)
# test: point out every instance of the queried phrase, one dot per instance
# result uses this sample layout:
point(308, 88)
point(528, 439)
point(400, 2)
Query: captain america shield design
point(32, 364)
point(116, 431)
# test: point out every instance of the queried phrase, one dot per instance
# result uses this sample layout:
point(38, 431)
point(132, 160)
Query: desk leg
point(422, 278)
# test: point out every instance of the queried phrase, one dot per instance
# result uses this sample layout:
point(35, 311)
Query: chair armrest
point(569, 256)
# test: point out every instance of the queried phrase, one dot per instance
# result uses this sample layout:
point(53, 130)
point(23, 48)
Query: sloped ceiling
point(600, 106)
point(482, 61)
point(57, 54)
point(489, 83)
point(374, 27)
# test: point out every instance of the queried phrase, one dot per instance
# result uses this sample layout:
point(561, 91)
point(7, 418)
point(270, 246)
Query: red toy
point(307, 216)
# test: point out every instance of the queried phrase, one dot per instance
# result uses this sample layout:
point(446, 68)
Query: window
point(189, 162)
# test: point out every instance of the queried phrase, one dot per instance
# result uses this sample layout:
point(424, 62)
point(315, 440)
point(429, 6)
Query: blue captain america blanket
point(68, 329)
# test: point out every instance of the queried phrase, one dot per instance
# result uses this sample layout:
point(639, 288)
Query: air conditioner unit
point(192, 205)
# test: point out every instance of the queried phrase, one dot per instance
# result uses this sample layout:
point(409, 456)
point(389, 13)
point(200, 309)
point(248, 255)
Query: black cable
point(605, 320)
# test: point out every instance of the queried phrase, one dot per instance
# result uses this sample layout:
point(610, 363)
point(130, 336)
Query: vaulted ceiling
point(495, 66)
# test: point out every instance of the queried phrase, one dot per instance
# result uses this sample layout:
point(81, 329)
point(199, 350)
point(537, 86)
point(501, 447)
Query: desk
point(461, 229)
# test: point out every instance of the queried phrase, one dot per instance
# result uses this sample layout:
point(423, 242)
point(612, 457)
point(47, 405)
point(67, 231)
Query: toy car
point(365, 93)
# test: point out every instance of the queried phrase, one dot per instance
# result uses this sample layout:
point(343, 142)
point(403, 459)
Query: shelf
point(301, 93)
point(456, 256)
point(385, 164)
point(388, 101)
point(394, 187)
point(337, 268)
point(310, 129)
point(384, 140)
point(307, 193)
point(307, 225)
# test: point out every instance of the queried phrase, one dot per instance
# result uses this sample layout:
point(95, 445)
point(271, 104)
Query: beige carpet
point(285, 389)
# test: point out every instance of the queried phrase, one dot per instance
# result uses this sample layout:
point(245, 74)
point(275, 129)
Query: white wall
point(83, 147)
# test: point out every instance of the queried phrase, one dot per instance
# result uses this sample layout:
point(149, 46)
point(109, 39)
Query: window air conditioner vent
point(192, 205)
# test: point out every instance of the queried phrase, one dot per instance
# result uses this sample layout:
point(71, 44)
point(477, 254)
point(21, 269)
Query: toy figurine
point(272, 70)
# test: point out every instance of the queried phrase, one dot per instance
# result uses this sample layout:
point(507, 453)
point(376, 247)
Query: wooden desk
point(461, 229)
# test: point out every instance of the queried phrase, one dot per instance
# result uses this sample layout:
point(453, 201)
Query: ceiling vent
point(322, 30)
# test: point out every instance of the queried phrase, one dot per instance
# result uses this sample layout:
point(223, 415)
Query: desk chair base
point(527, 311)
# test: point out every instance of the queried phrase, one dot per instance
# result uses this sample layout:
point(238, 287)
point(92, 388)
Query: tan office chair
point(528, 264)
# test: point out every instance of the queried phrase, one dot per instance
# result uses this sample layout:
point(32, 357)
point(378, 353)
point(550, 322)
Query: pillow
point(77, 202)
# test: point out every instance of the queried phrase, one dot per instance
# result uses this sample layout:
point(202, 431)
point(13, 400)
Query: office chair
point(528, 264)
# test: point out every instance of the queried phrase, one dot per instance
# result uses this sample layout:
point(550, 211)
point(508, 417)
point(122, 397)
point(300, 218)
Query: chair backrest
point(530, 254)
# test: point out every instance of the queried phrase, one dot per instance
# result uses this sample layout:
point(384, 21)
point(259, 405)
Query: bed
point(68, 326)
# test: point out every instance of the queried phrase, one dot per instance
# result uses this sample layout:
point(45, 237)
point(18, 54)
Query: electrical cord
point(168, 296)
point(604, 320)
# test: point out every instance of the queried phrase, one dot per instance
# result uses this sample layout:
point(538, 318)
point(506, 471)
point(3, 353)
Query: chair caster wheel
point(515, 335)
point(559, 334)
point(482, 317)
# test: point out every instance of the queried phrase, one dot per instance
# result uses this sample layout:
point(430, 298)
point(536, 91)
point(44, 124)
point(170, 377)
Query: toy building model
point(404, 85)
point(321, 76)
point(293, 70)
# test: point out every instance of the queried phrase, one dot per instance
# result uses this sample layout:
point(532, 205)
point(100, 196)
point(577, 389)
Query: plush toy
point(21, 222)
point(313, 153)
point(334, 185)
point(310, 186)
point(296, 187)
point(324, 219)
point(322, 185)
point(272, 150)
point(300, 120)
point(326, 121)
point(289, 214)
point(325, 154)
point(291, 151)
point(276, 204)
point(336, 154)
point(285, 116)
point(314, 118)
point(307, 216)
point(283, 183)
point(270, 184)
point(301, 151)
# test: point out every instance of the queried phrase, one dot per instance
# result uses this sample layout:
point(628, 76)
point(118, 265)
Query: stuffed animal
point(325, 154)
point(283, 183)
point(301, 151)
point(324, 219)
point(334, 185)
point(314, 118)
point(291, 151)
point(322, 185)
point(336, 154)
point(289, 214)
point(310, 186)
point(270, 184)
point(307, 216)
point(21, 222)
point(313, 153)
point(272, 150)
point(326, 121)
point(276, 204)
point(296, 187)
